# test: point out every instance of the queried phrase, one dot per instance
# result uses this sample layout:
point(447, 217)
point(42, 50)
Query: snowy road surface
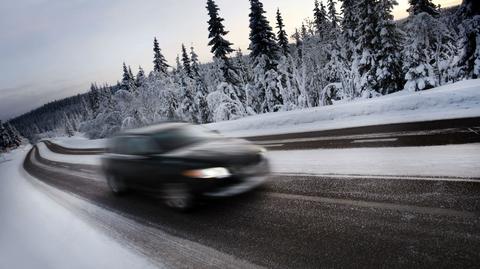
point(296, 221)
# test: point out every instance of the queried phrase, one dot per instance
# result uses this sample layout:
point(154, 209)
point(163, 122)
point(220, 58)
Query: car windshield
point(184, 136)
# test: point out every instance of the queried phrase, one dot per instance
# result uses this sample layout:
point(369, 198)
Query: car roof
point(154, 128)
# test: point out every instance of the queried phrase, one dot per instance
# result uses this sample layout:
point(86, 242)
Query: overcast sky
point(50, 49)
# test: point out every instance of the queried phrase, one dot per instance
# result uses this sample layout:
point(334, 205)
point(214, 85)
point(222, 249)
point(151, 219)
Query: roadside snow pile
point(64, 158)
point(79, 142)
point(432, 161)
point(459, 100)
point(37, 232)
point(441, 161)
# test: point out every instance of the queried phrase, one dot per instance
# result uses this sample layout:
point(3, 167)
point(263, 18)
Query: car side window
point(136, 145)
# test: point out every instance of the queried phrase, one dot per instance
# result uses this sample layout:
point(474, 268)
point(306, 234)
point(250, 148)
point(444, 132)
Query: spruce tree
point(186, 61)
point(298, 43)
point(320, 18)
point(419, 6)
point(389, 75)
point(128, 80)
point(364, 63)
point(201, 91)
point(282, 35)
point(262, 38)
point(332, 14)
point(469, 44)
point(428, 52)
point(220, 46)
point(349, 22)
point(159, 63)
point(94, 99)
point(140, 78)
point(125, 78)
point(130, 74)
point(195, 64)
point(265, 55)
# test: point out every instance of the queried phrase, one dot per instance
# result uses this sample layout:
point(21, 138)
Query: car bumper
point(243, 187)
point(252, 177)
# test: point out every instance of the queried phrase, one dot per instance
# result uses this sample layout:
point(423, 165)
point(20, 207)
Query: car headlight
point(216, 172)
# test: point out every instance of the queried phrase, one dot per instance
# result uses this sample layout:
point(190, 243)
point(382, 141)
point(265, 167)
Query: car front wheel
point(116, 185)
point(178, 197)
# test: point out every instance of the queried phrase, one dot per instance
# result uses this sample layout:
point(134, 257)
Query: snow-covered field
point(435, 161)
point(459, 100)
point(38, 232)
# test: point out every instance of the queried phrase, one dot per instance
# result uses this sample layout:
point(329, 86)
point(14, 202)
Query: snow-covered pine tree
point(9, 137)
point(201, 91)
point(469, 43)
point(130, 74)
point(420, 6)
point(389, 73)
point(304, 32)
point(333, 15)
point(69, 131)
point(94, 99)
point(262, 38)
point(128, 79)
point(159, 62)
point(186, 62)
point(221, 47)
point(4, 138)
point(349, 22)
point(428, 52)
point(282, 36)
point(298, 43)
point(320, 19)
point(140, 78)
point(264, 53)
point(363, 65)
point(194, 62)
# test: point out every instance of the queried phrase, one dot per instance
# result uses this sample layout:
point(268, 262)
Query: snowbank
point(436, 161)
point(79, 142)
point(459, 100)
point(37, 232)
point(76, 159)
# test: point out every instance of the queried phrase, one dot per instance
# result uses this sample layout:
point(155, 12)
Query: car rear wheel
point(178, 197)
point(116, 185)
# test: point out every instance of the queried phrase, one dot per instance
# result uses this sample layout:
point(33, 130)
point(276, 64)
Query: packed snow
point(77, 159)
point(38, 232)
point(435, 161)
point(459, 100)
point(78, 142)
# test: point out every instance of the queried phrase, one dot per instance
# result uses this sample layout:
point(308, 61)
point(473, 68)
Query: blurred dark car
point(183, 162)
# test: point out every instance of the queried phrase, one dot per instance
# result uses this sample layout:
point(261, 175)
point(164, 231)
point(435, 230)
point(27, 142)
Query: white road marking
point(473, 131)
point(375, 140)
point(273, 145)
point(361, 136)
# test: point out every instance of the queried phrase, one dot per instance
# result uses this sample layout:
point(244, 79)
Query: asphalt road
point(304, 222)
point(431, 133)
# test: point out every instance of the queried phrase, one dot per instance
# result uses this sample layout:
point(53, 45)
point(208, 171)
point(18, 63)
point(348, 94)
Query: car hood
point(225, 151)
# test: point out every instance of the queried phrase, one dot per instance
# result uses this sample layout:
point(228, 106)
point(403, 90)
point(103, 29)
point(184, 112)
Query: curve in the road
point(309, 222)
